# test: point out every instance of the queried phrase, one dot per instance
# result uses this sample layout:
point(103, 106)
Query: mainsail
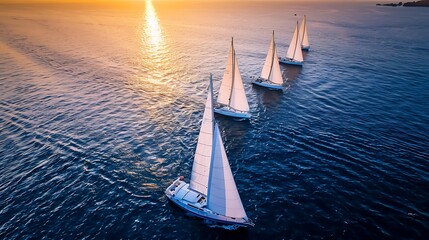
point(202, 158)
point(271, 70)
point(223, 197)
point(294, 52)
point(304, 34)
point(211, 174)
point(231, 92)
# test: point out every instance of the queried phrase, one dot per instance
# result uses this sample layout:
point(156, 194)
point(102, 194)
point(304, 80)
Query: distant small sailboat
point(232, 99)
point(271, 75)
point(294, 53)
point(305, 44)
point(211, 193)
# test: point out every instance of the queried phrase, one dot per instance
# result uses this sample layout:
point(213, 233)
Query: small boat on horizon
point(305, 43)
point(294, 53)
point(232, 100)
point(211, 193)
point(271, 75)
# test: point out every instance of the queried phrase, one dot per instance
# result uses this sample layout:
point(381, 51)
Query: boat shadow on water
point(305, 54)
point(268, 97)
point(236, 128)
point(291, 73)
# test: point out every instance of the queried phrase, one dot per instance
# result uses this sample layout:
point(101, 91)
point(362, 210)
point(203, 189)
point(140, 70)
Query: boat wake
point(212, 224)
point(240, 119)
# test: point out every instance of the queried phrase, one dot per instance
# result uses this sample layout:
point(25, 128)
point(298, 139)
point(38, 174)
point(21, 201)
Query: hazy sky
point(58, 1)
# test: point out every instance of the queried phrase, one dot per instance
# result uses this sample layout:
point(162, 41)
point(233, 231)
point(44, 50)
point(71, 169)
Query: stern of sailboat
point(261, 82)
point(289, 61)
point(174, 187)
point(227, 111)
point(196, 204)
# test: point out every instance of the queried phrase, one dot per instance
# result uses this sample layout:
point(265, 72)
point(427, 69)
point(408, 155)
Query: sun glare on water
point(152, 26)
point(153, 46)
point(158, 73)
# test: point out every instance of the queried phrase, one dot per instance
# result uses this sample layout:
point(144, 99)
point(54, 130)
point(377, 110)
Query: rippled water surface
point(100, 109)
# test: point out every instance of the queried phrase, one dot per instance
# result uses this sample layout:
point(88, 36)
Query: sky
point(100, 1)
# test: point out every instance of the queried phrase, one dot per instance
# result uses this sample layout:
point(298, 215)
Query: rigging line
point(272, 58)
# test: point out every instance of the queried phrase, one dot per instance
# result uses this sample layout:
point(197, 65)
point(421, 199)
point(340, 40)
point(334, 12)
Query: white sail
point(271, 70)
point(231, 92)
point(223, 197)
point(238, 96)
point(202, 159)
point(226, 85)
point(266, 70)
point(304, 34)
point(295, 52)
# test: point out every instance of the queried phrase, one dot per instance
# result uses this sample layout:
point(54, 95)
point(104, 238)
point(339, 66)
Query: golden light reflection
point(154, 50)
point(153, 32)
point(158, 69)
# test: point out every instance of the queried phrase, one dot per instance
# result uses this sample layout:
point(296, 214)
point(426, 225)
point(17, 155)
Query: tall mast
point(272, 58)
point(305, 28)
point(213, 140)
point(233, 71)
point(211, 95)
point(202, 158)
point(303, 31)
point(296, 41)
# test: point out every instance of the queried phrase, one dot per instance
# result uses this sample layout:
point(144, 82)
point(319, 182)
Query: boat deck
point(195, 203)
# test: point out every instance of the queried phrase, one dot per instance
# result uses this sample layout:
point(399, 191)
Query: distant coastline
point(422, 3)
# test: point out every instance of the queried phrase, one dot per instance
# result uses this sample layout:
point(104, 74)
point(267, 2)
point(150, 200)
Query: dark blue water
point(100, 109)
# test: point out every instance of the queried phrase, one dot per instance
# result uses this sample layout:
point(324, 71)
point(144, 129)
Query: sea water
point(100, 108)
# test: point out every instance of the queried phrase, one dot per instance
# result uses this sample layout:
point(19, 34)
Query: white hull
point(227, 111)
point(196, 204)
point(290, 61)
point(264, 83)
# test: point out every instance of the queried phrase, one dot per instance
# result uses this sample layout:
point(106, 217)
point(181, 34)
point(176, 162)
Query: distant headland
point(422, 3)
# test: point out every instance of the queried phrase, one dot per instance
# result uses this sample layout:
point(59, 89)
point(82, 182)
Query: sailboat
point(305, 44)
point(232, 99)
point(211, 193)
point(271, 75)
point(294, 53)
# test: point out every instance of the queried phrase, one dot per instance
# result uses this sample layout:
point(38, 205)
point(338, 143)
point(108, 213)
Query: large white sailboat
point(294, 53)
point(232, 99)
point(305, 43)
point(271, 75)
point(211, 193)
